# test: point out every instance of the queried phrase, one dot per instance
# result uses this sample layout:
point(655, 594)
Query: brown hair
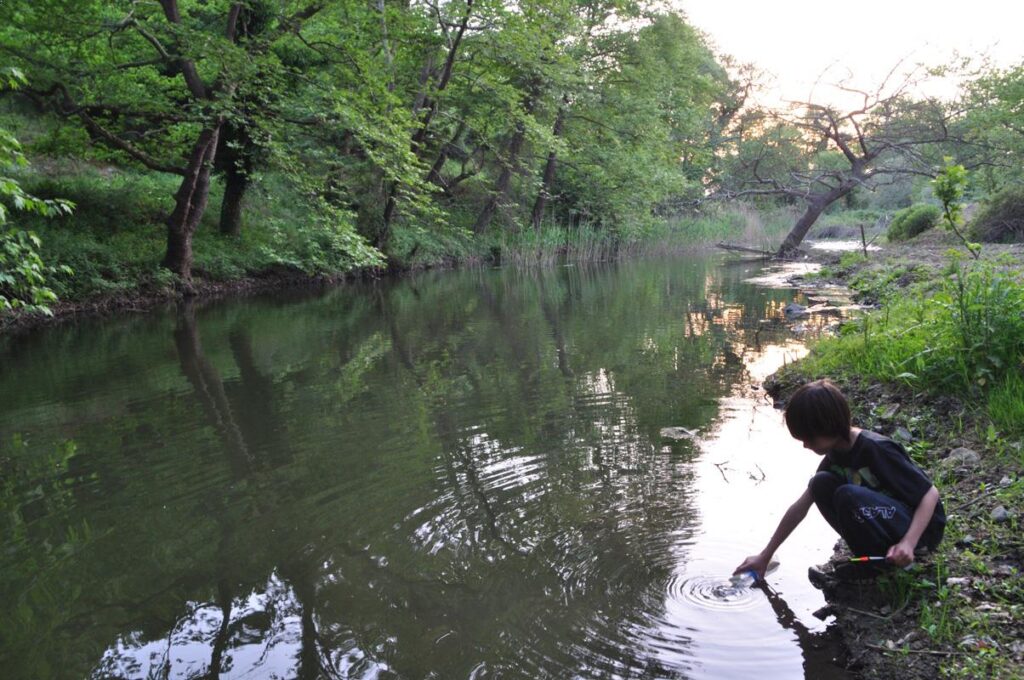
point(818, 409)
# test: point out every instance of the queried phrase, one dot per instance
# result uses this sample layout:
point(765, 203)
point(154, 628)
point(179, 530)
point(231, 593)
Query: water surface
point(453, 475)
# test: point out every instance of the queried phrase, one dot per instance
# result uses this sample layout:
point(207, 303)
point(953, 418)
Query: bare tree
point(818, 153)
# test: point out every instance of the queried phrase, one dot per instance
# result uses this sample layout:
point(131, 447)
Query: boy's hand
point(900, 554)
point(756, 563)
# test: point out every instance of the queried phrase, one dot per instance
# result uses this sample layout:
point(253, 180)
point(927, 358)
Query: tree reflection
point(435, 475)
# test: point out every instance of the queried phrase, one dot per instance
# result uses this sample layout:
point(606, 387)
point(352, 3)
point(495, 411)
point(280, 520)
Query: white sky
point(799, 40)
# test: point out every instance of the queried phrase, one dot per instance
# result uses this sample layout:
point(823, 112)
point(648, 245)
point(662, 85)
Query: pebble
point(958, 581)
point(794, 309)
point(1005, 481)
point(962, 457)
point(1000, 514)
point(889, 411)
point(825, 612)
point(978, 642)
point(967, 540)
point(902, 434)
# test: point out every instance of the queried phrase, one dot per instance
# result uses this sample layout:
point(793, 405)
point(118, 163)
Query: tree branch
point(69, 108)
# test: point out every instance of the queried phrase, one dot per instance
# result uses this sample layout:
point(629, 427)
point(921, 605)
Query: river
point(448, 475)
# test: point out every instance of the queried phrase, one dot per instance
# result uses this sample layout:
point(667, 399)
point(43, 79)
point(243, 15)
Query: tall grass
point(552, 242)
point(736, 223)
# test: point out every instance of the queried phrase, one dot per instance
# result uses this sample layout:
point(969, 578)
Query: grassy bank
point(939, 366)
point(114, 239)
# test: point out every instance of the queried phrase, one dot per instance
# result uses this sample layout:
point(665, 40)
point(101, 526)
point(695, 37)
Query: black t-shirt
point(880, 464)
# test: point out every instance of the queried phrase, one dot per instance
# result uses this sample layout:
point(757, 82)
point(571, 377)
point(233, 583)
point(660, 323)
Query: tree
point(995, 121)
point(635, 146)
point(818, 153)
point(157, 83)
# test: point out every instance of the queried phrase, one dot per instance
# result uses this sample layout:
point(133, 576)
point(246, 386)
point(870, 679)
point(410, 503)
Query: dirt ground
point(959, 612)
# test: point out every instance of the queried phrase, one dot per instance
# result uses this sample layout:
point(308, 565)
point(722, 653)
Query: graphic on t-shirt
point(861, 477)
point(874, 512)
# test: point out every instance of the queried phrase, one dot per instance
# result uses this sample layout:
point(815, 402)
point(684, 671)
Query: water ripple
point(713, 593)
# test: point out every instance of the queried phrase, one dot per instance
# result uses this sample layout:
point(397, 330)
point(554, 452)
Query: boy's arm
point(902, 553)
point(794, 515)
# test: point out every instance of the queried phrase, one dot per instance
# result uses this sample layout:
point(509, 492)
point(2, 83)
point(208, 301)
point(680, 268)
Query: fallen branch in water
point(745, 249)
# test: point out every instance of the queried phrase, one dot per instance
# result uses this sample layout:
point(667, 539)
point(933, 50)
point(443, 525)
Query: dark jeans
point(870, 522)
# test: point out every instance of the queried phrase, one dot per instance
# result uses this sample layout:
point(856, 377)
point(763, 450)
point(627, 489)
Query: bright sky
point(799, 40)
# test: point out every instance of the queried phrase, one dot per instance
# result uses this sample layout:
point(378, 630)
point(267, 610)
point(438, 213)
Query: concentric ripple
point(713, 593)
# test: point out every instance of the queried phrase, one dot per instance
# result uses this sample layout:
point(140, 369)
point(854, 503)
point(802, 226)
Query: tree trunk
point(190, 203)
point(504, 180)
point(814, 209)
point(549, 173)
point(428, 105)
point(235, 184)
point(508, 164)
point(434, 176)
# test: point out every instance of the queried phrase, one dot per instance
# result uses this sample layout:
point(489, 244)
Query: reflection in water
point(447, 476)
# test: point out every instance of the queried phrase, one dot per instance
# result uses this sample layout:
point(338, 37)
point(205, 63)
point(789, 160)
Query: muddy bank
point(958, 611)
point(144, 299)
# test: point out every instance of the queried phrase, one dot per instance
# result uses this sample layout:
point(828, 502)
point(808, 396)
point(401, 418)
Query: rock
point(1004, 571)
point(793, 309)
point(1005, 481)
point(902, 435)
point(677, 433)
point(825, 612)
point(977, 642)
point(1000, 514)
point(967, 541)
point(958, 581)
point(908, 638)
point(888, 411)
point(962, 458)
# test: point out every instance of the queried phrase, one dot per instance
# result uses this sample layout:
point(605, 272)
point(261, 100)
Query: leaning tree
point(815, 154)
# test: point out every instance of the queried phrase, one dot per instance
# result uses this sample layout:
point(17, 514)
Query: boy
point(866, 486)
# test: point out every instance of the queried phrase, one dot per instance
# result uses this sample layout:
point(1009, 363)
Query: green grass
point(966, 338)
point(115, 238)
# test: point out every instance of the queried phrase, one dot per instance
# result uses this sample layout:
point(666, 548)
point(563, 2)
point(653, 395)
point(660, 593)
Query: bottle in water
point(748, 578)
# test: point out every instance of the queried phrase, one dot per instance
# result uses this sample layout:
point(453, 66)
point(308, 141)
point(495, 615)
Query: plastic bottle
point(744, 579)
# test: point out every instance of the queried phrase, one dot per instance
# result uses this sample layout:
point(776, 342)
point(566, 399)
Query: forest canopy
point(330, 135)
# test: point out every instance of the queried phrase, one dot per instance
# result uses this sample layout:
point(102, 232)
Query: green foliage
point(968, 338)
point(23, 273)
point(995, 120)
point(114, 241)
point(949, 186)
point(1006, 404)
point(1001, 218)
point(910, 222)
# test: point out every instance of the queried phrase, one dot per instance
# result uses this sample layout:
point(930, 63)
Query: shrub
point(910, 222)
point(1001, 219)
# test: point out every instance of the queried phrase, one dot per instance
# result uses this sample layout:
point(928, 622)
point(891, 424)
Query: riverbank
point(957, 613)
point(146, 298)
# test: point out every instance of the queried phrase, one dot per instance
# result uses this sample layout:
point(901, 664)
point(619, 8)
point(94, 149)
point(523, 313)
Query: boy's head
point(816, 411)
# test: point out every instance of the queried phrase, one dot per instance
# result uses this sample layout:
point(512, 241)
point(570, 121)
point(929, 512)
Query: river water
point(451, 475)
